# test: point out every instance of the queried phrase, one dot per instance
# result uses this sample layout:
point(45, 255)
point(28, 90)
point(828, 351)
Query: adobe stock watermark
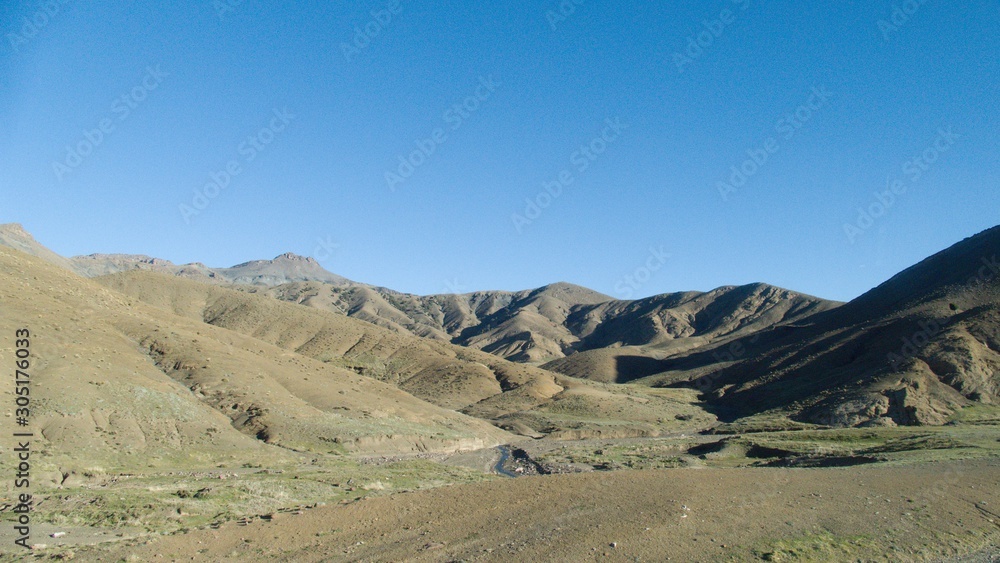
point(454, 117)
point(325, 248)
point(580, 160)
point(912, 170)
point(121, 108)
point(786, 128)
point(453, 287)
point(712, 29)
point(901, 15)
point(223, 7)
point(32, 25)
point(931, 329)
point(248, 150)
point(628, 284)
point(563, 11)
point(365, 34)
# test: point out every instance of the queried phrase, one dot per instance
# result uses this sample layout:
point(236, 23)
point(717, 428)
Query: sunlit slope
point(561, 320)
point(117, 382)
point(515, 396)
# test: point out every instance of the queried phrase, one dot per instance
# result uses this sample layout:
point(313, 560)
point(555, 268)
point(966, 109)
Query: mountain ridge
point(528, 326)
point(911, 351)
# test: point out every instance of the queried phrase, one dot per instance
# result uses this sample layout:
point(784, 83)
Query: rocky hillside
point(286, 268)
point(531, 326)
point(13, 235)
point(910, 351)
point(120, 383)
point(522, 398)
point(562, 319)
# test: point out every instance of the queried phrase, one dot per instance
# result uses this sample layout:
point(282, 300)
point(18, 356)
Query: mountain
point(531, 326)
point(559, 320)
point(94, 265)
point(911, 351)
point(522, 398)
point(621, 341)
point(286, 268)
point(13, 235)
point(258, 331)
point(524, 326)
point(117, 382)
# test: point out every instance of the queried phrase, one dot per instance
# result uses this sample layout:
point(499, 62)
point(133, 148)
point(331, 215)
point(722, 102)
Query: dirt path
point(872, 513)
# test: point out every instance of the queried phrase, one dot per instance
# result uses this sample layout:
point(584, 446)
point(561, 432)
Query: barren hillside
point(531, 326)
point(516, 396)
point(125, 383)
point(910, 351)
point(561, 320)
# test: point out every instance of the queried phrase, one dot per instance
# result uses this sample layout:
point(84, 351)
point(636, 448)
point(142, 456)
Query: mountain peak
point(135, 258)
point(14, 229)
point(15, 236)
point(965, 264)
point(292, 257)
point(284, 268)
point(575, 293)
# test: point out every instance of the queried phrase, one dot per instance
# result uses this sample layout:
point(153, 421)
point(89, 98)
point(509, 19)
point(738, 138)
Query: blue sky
point(285, 121)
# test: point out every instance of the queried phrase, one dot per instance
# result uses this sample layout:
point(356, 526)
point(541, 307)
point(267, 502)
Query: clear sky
point(276, 125)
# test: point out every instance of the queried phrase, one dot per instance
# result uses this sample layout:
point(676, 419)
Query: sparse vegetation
point(185, 406)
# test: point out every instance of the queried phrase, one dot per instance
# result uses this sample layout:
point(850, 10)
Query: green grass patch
point(820, 547)
point(168, 502)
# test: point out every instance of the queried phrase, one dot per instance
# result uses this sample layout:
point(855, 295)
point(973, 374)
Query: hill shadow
point(630, 368)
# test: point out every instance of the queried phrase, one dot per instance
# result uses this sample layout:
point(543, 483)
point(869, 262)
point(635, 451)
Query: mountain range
point(909, 352)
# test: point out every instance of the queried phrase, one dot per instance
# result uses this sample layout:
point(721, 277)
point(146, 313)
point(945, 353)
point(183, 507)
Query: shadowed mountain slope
point(910, 351)
point(561, 319)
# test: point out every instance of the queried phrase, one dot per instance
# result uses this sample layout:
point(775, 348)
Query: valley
point(191, 412)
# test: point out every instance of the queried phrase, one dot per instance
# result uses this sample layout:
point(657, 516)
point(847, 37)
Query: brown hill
point(119, 383)
point(560, 320)
point(286, 268)
point(625, 340)
point(523, 398)
point(94, 265)
point(524, 326)
point(13, 235)
point(531, 326)
point(910, 351)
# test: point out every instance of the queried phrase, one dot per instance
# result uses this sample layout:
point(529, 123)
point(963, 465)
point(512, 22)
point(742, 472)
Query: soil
point(928, 512)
